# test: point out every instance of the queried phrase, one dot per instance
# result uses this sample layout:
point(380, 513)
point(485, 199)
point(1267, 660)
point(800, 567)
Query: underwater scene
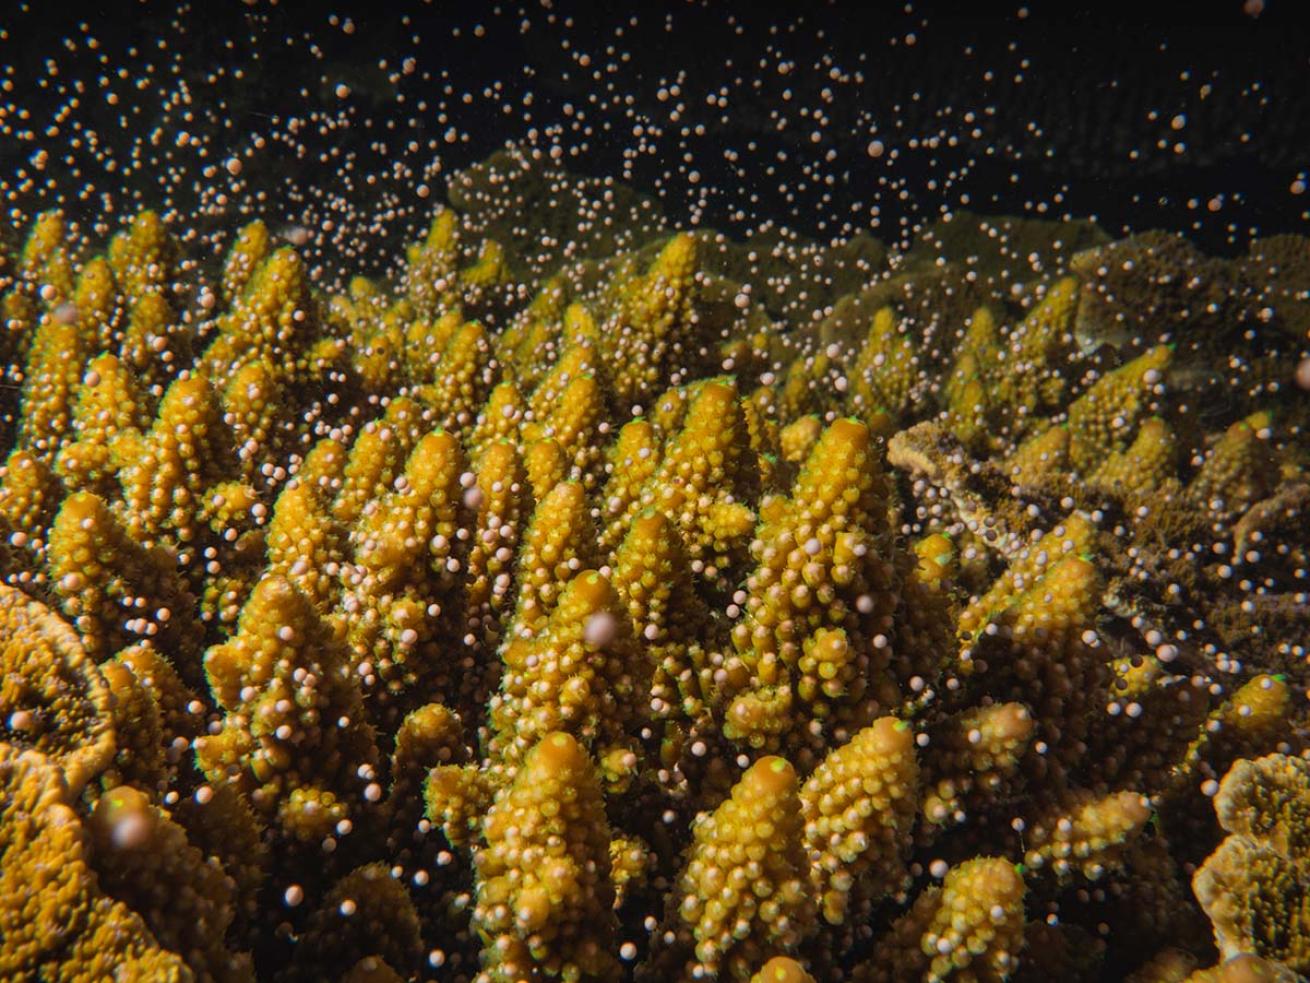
point(695, 491)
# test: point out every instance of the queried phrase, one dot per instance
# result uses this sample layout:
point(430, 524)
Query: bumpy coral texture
point(466, 626)
point(1252, 885)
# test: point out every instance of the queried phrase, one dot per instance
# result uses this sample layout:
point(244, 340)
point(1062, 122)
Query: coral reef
point(514, 619)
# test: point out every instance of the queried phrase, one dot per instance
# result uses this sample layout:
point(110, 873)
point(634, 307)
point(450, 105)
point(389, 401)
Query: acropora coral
point(389, 630)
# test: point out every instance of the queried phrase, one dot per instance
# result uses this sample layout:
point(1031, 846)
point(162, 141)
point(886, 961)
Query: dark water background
point(1097, 82)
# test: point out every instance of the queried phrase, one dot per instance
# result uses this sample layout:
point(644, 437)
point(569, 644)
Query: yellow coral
point(29, 492)
point(744, 891)
point(1249, 721)
point(250, 248)
point(971, 928)
point(544, 902)
point(630, 863)
point(304, 543)
point(1071, 537)
point(1251, 887)
point(821, 566)
point(705, 480)
point(109, 406)
point(1085, 831)
point(1240, 469)
point(294, 738)
point(430, 272)
point(583, 673)
point(54, 699)
point(250, 403)
point(376, 458)
point(499, 418)
point(1030, 378)
point(142, 256)
point(1040, 456)
point(489, 269)
point(57, 924)
point(1042, 651)
point(575, 424)
point(559, 543)
point(419, 532)
point(408, 548)
point(502, 502)
point(886, 368)
point(461, 379)
point(97, 302)
point(1244, 968)
point(797, 439)
point(456, 798)
point(138, 730)
point(782, 969)
point(185, 452)
point(1142, 467)
point(656, 334)
point(143, 858)
point(44, 260)
point(154, 342)
point(651, 577)
point(428, 738)
point(99, 573)
point(1101, 418)
point(633, 459)
point(54, 369)
point(974, 756)
point(859, 807)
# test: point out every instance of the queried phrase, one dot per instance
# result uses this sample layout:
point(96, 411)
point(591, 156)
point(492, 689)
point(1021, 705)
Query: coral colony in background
point(512, 497)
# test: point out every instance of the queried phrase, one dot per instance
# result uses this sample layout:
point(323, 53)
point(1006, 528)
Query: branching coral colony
point(472, 625)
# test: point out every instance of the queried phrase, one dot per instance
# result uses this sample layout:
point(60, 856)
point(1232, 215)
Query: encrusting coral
point(594, 627)
point(58, 924)
point(142, 858)
point(1252, 886)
